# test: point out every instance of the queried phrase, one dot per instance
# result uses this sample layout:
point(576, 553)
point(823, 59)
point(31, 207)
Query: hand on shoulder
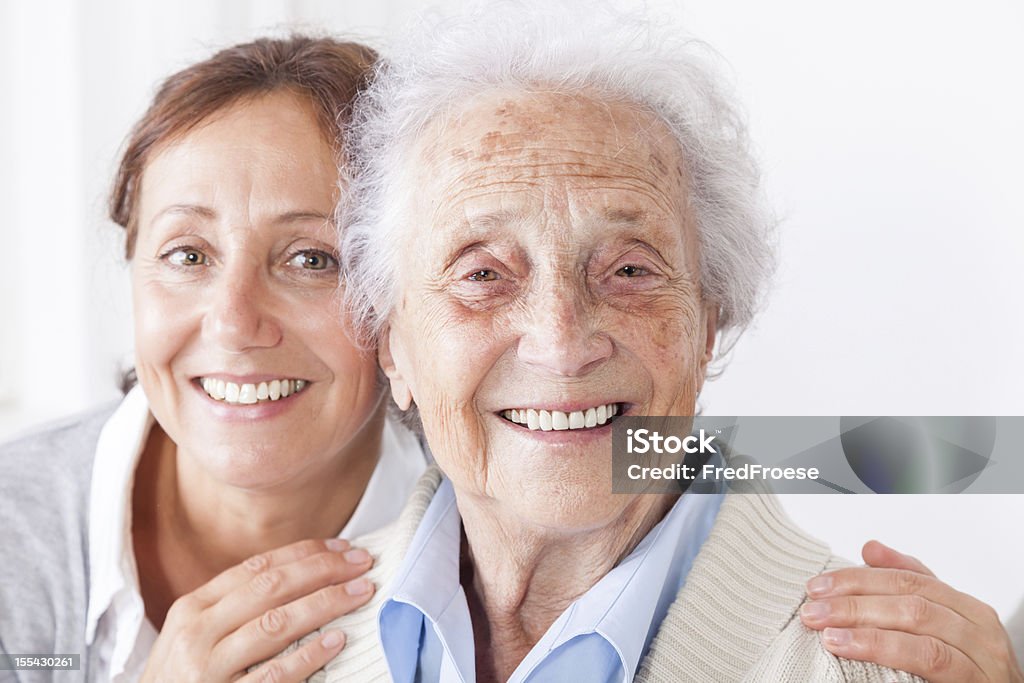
point(896, 613)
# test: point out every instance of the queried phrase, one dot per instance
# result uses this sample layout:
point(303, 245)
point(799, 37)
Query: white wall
point(891, 138)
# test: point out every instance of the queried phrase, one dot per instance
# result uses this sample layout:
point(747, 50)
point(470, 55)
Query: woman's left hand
point(895, 613)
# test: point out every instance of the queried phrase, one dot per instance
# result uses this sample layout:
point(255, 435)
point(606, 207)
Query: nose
point(562, 334)
point(238, 315)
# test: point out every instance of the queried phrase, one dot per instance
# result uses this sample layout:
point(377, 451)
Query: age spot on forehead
point(492, 141)
point(655, 160)
point(506, 109)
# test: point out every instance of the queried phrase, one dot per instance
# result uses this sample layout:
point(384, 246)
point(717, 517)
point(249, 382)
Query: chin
point(570, 504)
point(249, 467)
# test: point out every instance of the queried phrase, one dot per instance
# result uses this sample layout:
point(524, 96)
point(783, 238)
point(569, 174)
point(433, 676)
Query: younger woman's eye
point(186, 257)
point(313, 259)
point(631, 271)
point(483, 276)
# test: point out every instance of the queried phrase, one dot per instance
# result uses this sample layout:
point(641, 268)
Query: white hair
point(592, 50)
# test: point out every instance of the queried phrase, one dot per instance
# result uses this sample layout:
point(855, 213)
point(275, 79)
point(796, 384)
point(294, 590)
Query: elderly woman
point(556, 220)
point(257, 423)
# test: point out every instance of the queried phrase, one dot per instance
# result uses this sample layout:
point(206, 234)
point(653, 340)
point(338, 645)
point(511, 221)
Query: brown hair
point(327, 71)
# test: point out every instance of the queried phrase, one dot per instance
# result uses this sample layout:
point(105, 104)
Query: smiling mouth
point(250, 394)
point(556, 420)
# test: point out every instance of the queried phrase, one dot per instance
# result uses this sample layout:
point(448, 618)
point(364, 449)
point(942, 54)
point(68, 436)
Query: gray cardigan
point(45, 479)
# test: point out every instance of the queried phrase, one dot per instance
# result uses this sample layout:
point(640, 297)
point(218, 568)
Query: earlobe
point(400, 391)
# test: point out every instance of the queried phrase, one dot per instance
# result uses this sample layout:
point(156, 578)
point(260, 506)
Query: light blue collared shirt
point(427, 634)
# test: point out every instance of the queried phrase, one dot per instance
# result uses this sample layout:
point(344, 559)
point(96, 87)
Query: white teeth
point(548, 420)
point(249, 394)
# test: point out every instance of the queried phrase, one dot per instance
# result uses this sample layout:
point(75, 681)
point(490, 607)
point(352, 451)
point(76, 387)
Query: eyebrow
point(186, 210)
point(493, 219)
point(205, 212)
point(504, 217)
point(626, 216)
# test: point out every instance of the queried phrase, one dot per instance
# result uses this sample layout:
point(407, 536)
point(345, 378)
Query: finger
point(301, 664)
point(877, 554)
point(925, 656)
point(243, 572)
point(280, 585)
point(277, 628)
point(908, 613)
point(871, 581)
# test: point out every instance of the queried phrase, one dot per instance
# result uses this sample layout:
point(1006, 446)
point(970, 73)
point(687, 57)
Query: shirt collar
point(111, 556)
point(428, 582)
point(628, 604)
point(625, 607)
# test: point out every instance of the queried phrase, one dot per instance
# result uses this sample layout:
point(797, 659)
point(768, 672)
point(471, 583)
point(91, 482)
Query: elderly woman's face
point(234, 283)
point(551, 271)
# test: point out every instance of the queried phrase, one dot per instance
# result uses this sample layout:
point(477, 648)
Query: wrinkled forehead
point(545, 144)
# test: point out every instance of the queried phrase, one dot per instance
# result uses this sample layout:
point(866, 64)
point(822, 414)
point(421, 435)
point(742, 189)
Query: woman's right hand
point(254, 610)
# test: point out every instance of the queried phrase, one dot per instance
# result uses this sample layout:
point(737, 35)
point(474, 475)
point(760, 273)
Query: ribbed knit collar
point(744, 588)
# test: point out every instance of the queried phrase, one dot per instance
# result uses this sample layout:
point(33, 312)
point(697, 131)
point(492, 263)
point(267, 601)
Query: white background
point(892, 146)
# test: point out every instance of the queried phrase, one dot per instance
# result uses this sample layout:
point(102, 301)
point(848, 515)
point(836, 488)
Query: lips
point(250, 393)
point(540, 419)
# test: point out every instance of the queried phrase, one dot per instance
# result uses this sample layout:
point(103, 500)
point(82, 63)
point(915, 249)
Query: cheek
point(453, 349)
point(331, 340)
point(450, 353)
point(668, 340)
point(163, 324)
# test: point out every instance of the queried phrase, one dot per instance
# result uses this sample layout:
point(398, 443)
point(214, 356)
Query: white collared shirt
point(116, 624)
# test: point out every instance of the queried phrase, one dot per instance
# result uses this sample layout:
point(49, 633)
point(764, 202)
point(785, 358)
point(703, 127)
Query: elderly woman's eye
point(631, 271)
point(483, 276)
point(186, 256)
point(313, 259)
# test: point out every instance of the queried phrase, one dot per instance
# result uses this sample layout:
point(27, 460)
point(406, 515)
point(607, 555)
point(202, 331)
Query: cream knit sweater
point(734, 620)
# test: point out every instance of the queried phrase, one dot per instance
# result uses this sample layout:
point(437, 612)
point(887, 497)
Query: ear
point(390, 356)
point(710, 334)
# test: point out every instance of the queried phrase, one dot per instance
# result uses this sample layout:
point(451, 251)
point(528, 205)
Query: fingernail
point(837, 636)
point(358, 587)
point(815, 610)
point(337, 544)
point(332, 639)
point(357, 556)
point(819, 585)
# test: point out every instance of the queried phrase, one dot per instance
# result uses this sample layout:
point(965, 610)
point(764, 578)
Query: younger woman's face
point(240, 346)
